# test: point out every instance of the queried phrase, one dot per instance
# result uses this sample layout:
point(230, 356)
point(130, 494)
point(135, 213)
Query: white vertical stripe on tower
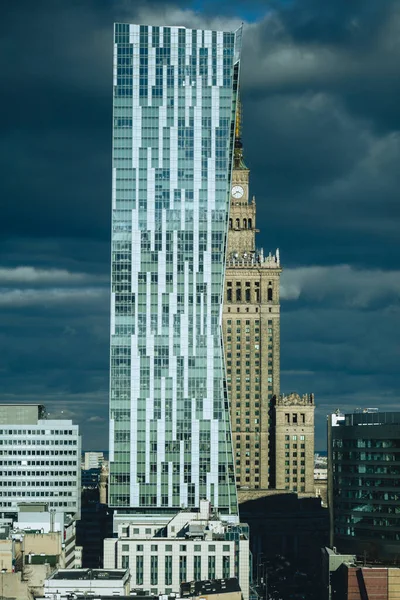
point(150, 399)
point(174, 386)
point(135, 360)
point(112, 325)
point(195, 457)
point(151, 190)
point(220, 58)
point(183, 488)
point(213, 474)
point(115, 59)
point(160, 441)
point(114, 188)
point(185, 331)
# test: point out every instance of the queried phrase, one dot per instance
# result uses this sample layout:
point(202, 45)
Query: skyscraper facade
point(251, 325)
point(364, 483)
point(175, 95)
point(39, 461)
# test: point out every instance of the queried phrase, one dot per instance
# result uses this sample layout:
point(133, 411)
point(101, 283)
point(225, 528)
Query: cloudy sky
point(320, 90)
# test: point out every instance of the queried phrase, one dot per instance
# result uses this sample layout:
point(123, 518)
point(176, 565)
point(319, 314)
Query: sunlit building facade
point(175, 92)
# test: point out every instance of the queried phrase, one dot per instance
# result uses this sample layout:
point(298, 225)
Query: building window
point(154, 570)
point(125, 561)
point(197, 568)
point(211, 567)
point(168, 570)
point(139, 570)
point(226, 567)
point(182, 568)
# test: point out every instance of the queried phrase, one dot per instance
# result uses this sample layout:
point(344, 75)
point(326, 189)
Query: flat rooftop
point(210, 586)
point(89, 574)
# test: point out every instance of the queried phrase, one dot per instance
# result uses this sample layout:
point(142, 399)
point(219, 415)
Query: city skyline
point(320, 128)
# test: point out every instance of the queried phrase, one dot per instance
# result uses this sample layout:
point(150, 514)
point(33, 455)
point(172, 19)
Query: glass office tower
point(175, 93)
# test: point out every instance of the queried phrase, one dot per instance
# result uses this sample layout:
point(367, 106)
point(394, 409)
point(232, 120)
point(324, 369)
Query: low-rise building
point(189, 546)
point(112, 582)
point(216, 589)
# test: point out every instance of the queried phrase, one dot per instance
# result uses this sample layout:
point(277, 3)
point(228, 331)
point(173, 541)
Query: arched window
point(229, 294)
point(270, 294)
point(238, 294)
point(244, 223)
point(230, 223)
point(237, 224)
point(249, 224)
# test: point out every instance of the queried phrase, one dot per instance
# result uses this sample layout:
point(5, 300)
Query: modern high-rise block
point(364, 483)
point(175, 95)
point(40, 461)
point(251, 324)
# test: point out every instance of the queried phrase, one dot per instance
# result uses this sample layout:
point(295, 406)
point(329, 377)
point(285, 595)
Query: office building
point(173, 139)
point(192, 545)
point(39, 461)
point(363, 483)
point(251, 327)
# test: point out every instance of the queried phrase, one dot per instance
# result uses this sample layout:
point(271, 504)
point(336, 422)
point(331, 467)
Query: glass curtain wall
point(175, 93)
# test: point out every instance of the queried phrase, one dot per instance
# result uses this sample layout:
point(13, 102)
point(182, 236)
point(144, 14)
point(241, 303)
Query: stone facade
point(294, 442)
point(251, 329)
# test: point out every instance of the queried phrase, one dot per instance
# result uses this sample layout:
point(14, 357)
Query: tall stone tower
point(251, 330)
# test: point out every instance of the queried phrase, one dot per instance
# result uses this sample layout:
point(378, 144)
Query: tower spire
point(238, 129)
point(239, 162)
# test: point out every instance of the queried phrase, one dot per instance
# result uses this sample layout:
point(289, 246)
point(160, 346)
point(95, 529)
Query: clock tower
point(242, 216)
point(251, 330)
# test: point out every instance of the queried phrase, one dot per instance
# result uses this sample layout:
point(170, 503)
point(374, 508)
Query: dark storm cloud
point(320, 88)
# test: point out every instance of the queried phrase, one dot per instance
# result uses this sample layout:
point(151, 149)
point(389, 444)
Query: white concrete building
point(92, 460)
point(104, 582)
point(39, 461)
point(192, 545)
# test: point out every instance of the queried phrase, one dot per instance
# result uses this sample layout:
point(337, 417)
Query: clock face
point(237, 191)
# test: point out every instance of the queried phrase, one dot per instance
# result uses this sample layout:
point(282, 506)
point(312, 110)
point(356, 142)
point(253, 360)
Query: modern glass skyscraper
point(175, 92)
